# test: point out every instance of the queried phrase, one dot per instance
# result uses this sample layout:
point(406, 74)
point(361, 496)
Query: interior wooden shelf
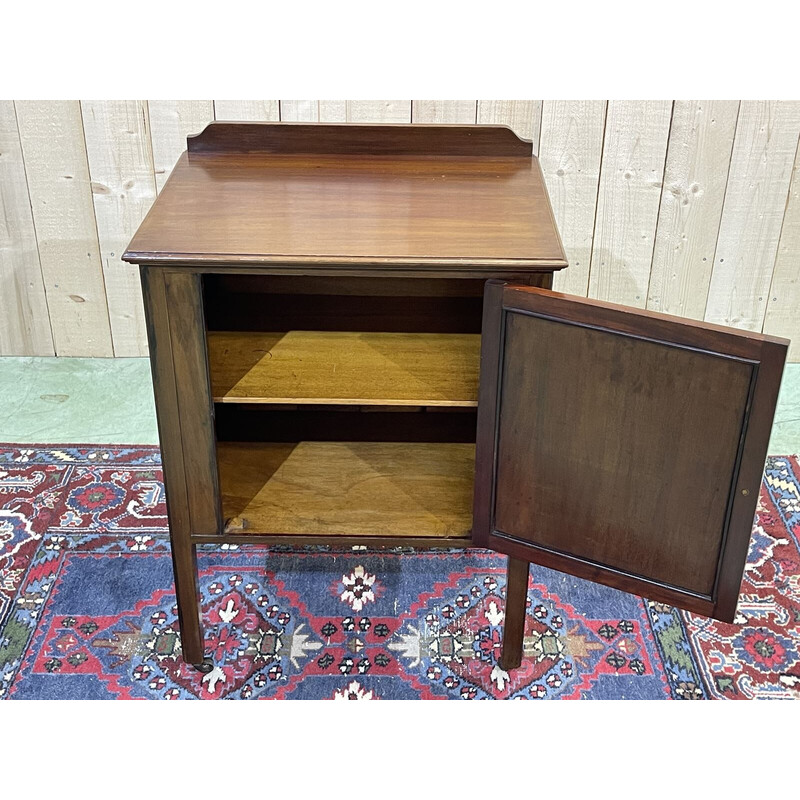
point(331, 367)
point(369, 489)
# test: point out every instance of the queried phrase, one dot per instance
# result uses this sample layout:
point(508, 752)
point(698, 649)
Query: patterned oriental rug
point(87, 608)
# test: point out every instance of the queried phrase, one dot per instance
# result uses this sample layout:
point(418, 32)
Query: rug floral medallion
point(87, 608)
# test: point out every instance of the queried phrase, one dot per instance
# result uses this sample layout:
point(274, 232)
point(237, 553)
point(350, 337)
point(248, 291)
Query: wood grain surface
point(783, 310)
point(21, 282)
point(300, 138)
point(695, 180)
point(348, 488)
point(176, 481)
point(66, 230)
point(522, 116)
point(261, 209)
point(633, 432)
point(632, 453)
point(629, 193)
point(195, 408)
point(764, 152)
point(171, 121)
point(570, 152)
point(332, 367)
point(570, 136)
point(123, 189)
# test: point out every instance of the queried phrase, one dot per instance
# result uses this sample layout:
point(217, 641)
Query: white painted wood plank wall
point(24, 321)
point(687, 207)
point(63, 212)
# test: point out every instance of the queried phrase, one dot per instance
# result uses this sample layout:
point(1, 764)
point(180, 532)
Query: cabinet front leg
point(184, 562)
point(176, 338)
point(514, 626)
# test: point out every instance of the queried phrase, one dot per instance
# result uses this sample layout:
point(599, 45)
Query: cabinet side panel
point(190, 362)
point(168, 417)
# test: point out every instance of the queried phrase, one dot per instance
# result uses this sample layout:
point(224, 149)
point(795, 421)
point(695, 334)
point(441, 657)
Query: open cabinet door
point(622, 446)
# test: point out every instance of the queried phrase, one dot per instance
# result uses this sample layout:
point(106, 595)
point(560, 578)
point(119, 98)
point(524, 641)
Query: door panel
point(622, 446)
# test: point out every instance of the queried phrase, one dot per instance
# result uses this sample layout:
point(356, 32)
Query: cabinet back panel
point(267, 303)
point(258, 423)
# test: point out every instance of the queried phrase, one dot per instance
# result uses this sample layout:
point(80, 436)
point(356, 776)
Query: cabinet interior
point(345, 406)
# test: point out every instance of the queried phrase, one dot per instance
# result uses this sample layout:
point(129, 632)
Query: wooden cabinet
point(354, 340)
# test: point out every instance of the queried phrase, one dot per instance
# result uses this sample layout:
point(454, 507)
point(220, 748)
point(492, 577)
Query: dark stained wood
point(644, 434)
point(263, 286)
point(184, 556)
point(277, 302)
point(329, 228)
point(341, 543)
point(245, 310)
point(488, 397)
point(622, 446)
point(628, 449)
point(196, 409)
point(515, 610)
point(745, 491)
point(301, 138)
point(240, 423)
point(331, 267)
point(430, 213)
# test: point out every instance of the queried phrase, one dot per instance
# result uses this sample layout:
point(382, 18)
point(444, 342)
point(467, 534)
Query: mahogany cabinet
point(354, 341)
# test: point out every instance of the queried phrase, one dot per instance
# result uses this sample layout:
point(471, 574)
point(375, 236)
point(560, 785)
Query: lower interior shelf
point(370, 489)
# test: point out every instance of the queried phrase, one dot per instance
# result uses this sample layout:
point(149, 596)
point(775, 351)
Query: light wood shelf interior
point(332, 367)
point(396, 489)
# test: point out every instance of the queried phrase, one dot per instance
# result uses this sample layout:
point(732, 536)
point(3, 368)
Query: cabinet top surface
point(272, 193)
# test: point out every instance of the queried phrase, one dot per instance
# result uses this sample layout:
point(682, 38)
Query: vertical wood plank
point(571, 148)
point(783, 308)
point(247, 110)
point(365, 111)
point(695, 177)
point(299, 110)
point(24, 321)
point(523, 116)
point(631, 175)
point(333, 110)
point(445, 111)
point(123, 186)
point(379, 111)
point(63, 212)
point(171, 121)
point(755, 201)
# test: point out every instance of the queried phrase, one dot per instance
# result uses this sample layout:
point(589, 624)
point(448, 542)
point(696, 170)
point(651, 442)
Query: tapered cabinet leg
point(514, 626)
point(184, 562)
point(176, 338)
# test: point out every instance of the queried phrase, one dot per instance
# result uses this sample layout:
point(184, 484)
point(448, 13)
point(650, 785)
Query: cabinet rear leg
point(514, 626)
point(184, 560)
